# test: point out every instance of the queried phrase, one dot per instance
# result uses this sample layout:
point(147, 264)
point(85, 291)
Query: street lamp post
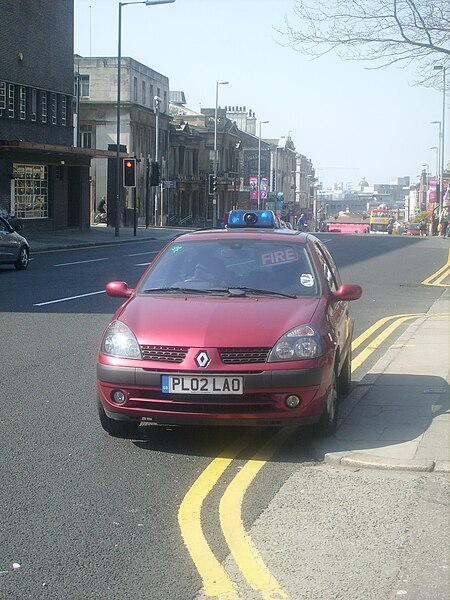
point(215, 152)
point(442, 138)
point(437, 159)
point(119, 57)
point(259, 164)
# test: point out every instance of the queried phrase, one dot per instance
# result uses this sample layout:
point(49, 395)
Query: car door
point(8, 242)
point(339, 310)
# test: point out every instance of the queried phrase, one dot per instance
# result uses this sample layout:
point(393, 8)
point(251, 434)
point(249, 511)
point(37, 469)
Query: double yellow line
point(438, 278)
point(216, 581)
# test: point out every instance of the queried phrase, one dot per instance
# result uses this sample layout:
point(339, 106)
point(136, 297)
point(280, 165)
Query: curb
point(330, 450)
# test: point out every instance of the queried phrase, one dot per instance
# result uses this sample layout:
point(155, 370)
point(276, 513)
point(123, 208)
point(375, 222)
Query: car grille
point(229, 356)
point(198, 404)
point(243, 356)
point(167, 354)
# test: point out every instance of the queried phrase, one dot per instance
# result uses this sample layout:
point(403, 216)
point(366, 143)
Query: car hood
point(214, 322)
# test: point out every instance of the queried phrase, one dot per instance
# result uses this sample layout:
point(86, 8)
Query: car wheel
point(116, 428)
point(345, 376)
point(328, 420)
point(23, 259)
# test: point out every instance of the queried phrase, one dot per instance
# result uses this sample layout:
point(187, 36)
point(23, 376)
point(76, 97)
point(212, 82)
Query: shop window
point(30, 191)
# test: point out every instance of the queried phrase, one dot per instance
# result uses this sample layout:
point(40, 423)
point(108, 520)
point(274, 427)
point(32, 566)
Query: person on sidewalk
point(301, 222)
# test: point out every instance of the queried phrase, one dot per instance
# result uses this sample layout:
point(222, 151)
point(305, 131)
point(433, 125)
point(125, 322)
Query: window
point(328, 266)
point(151, 95)
point(85, 136)
point(83, 81)
point(165, 107)
point(135, 86)
point(44, 107)
point(143, 93)
point(2, 97)
point(63, 110)
point(53, 108)
point(33, 104)
point(30, 191)
point(10, 100)
point(22, 102)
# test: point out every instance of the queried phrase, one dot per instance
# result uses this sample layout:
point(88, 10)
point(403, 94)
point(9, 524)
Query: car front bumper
point(262, 403)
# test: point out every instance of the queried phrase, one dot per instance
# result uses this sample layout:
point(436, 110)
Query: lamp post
point(437, 159)
point(215, 152)
point(442, 137)
point(259, 164)
point(119, 57)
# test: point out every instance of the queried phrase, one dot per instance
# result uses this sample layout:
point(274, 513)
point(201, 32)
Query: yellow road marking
point(216, 581)
point(366, 334)
point(241, 546)
point(445, 270)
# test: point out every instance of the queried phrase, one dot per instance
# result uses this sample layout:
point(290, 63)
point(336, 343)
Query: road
point(89, 516)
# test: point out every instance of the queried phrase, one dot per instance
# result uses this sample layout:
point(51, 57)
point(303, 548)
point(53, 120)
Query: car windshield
point(250, 266)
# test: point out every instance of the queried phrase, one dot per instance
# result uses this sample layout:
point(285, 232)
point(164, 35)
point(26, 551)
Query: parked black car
point(14, 248)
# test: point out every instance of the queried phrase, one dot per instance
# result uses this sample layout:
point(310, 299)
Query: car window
point(328, 266)
point(3, 226)
point(276, 266)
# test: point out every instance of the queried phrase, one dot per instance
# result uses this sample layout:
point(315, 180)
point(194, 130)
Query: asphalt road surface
point(85, 515)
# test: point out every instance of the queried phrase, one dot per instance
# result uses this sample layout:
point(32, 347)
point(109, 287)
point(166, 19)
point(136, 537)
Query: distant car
point(14, 248)
point(413, 229)
point(248, 325)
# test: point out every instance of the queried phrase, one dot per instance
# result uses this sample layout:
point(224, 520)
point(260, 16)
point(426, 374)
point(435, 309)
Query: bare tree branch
point(380, 32)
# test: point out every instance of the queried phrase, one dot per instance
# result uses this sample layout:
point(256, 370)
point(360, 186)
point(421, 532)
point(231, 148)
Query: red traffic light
point(129, 172)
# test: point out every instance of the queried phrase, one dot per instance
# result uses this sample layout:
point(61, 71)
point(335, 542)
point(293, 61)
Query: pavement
point(396, 418)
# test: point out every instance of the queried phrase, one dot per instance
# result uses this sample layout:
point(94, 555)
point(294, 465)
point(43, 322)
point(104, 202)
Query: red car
point(247, 325)
point(413, 229)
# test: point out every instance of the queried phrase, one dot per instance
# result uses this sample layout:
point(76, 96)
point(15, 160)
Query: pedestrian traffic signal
point(212, 184)
point(129, 172)
point(154, 173)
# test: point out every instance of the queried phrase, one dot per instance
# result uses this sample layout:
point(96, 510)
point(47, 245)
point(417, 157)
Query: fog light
point(292, 401)
point(118, 397)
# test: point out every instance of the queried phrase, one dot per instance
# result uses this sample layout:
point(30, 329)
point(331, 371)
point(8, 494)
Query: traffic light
point(212, 184)
point(129, 172)
point(154, 173)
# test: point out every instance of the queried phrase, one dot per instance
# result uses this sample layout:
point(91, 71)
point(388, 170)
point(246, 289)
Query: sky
point(352, 122)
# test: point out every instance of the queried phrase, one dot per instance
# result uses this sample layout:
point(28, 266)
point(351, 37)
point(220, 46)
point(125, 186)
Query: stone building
point(140, 86)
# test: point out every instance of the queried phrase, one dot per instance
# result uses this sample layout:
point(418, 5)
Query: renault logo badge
point(202, 359)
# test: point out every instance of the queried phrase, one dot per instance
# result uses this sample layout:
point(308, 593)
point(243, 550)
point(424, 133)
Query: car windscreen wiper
point(184, 290)
point(260, 292)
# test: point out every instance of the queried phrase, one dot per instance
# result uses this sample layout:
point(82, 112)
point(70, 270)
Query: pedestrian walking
point(301, 222)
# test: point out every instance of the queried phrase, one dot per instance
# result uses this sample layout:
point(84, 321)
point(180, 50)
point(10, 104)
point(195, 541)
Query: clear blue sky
point(350, 121)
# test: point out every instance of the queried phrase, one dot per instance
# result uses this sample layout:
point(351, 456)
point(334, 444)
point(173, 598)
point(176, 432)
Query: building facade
point(44, 181)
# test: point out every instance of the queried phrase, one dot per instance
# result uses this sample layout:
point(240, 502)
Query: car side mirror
point(348, 292)
point(118, 289)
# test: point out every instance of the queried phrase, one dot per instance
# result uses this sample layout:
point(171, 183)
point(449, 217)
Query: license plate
point(212, 384)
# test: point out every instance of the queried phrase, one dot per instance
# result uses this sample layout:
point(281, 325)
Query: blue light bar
point(256, 219)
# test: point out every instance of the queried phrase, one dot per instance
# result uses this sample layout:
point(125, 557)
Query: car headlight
point(302, 342)
point(120, 341)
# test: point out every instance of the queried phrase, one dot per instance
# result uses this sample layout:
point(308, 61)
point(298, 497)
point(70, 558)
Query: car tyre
point(328, 420)
point(114, 427)
point(345, 376)
point(23, 259)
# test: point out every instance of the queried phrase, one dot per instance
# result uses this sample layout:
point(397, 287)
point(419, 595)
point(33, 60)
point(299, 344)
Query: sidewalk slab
point(398, 416)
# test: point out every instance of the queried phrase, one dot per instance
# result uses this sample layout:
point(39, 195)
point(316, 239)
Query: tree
point(380, 32)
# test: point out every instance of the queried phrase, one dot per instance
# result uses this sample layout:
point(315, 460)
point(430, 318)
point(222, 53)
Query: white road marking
point(141, 253)
point(69, 298)
point(80, 262)
point(142, 264)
